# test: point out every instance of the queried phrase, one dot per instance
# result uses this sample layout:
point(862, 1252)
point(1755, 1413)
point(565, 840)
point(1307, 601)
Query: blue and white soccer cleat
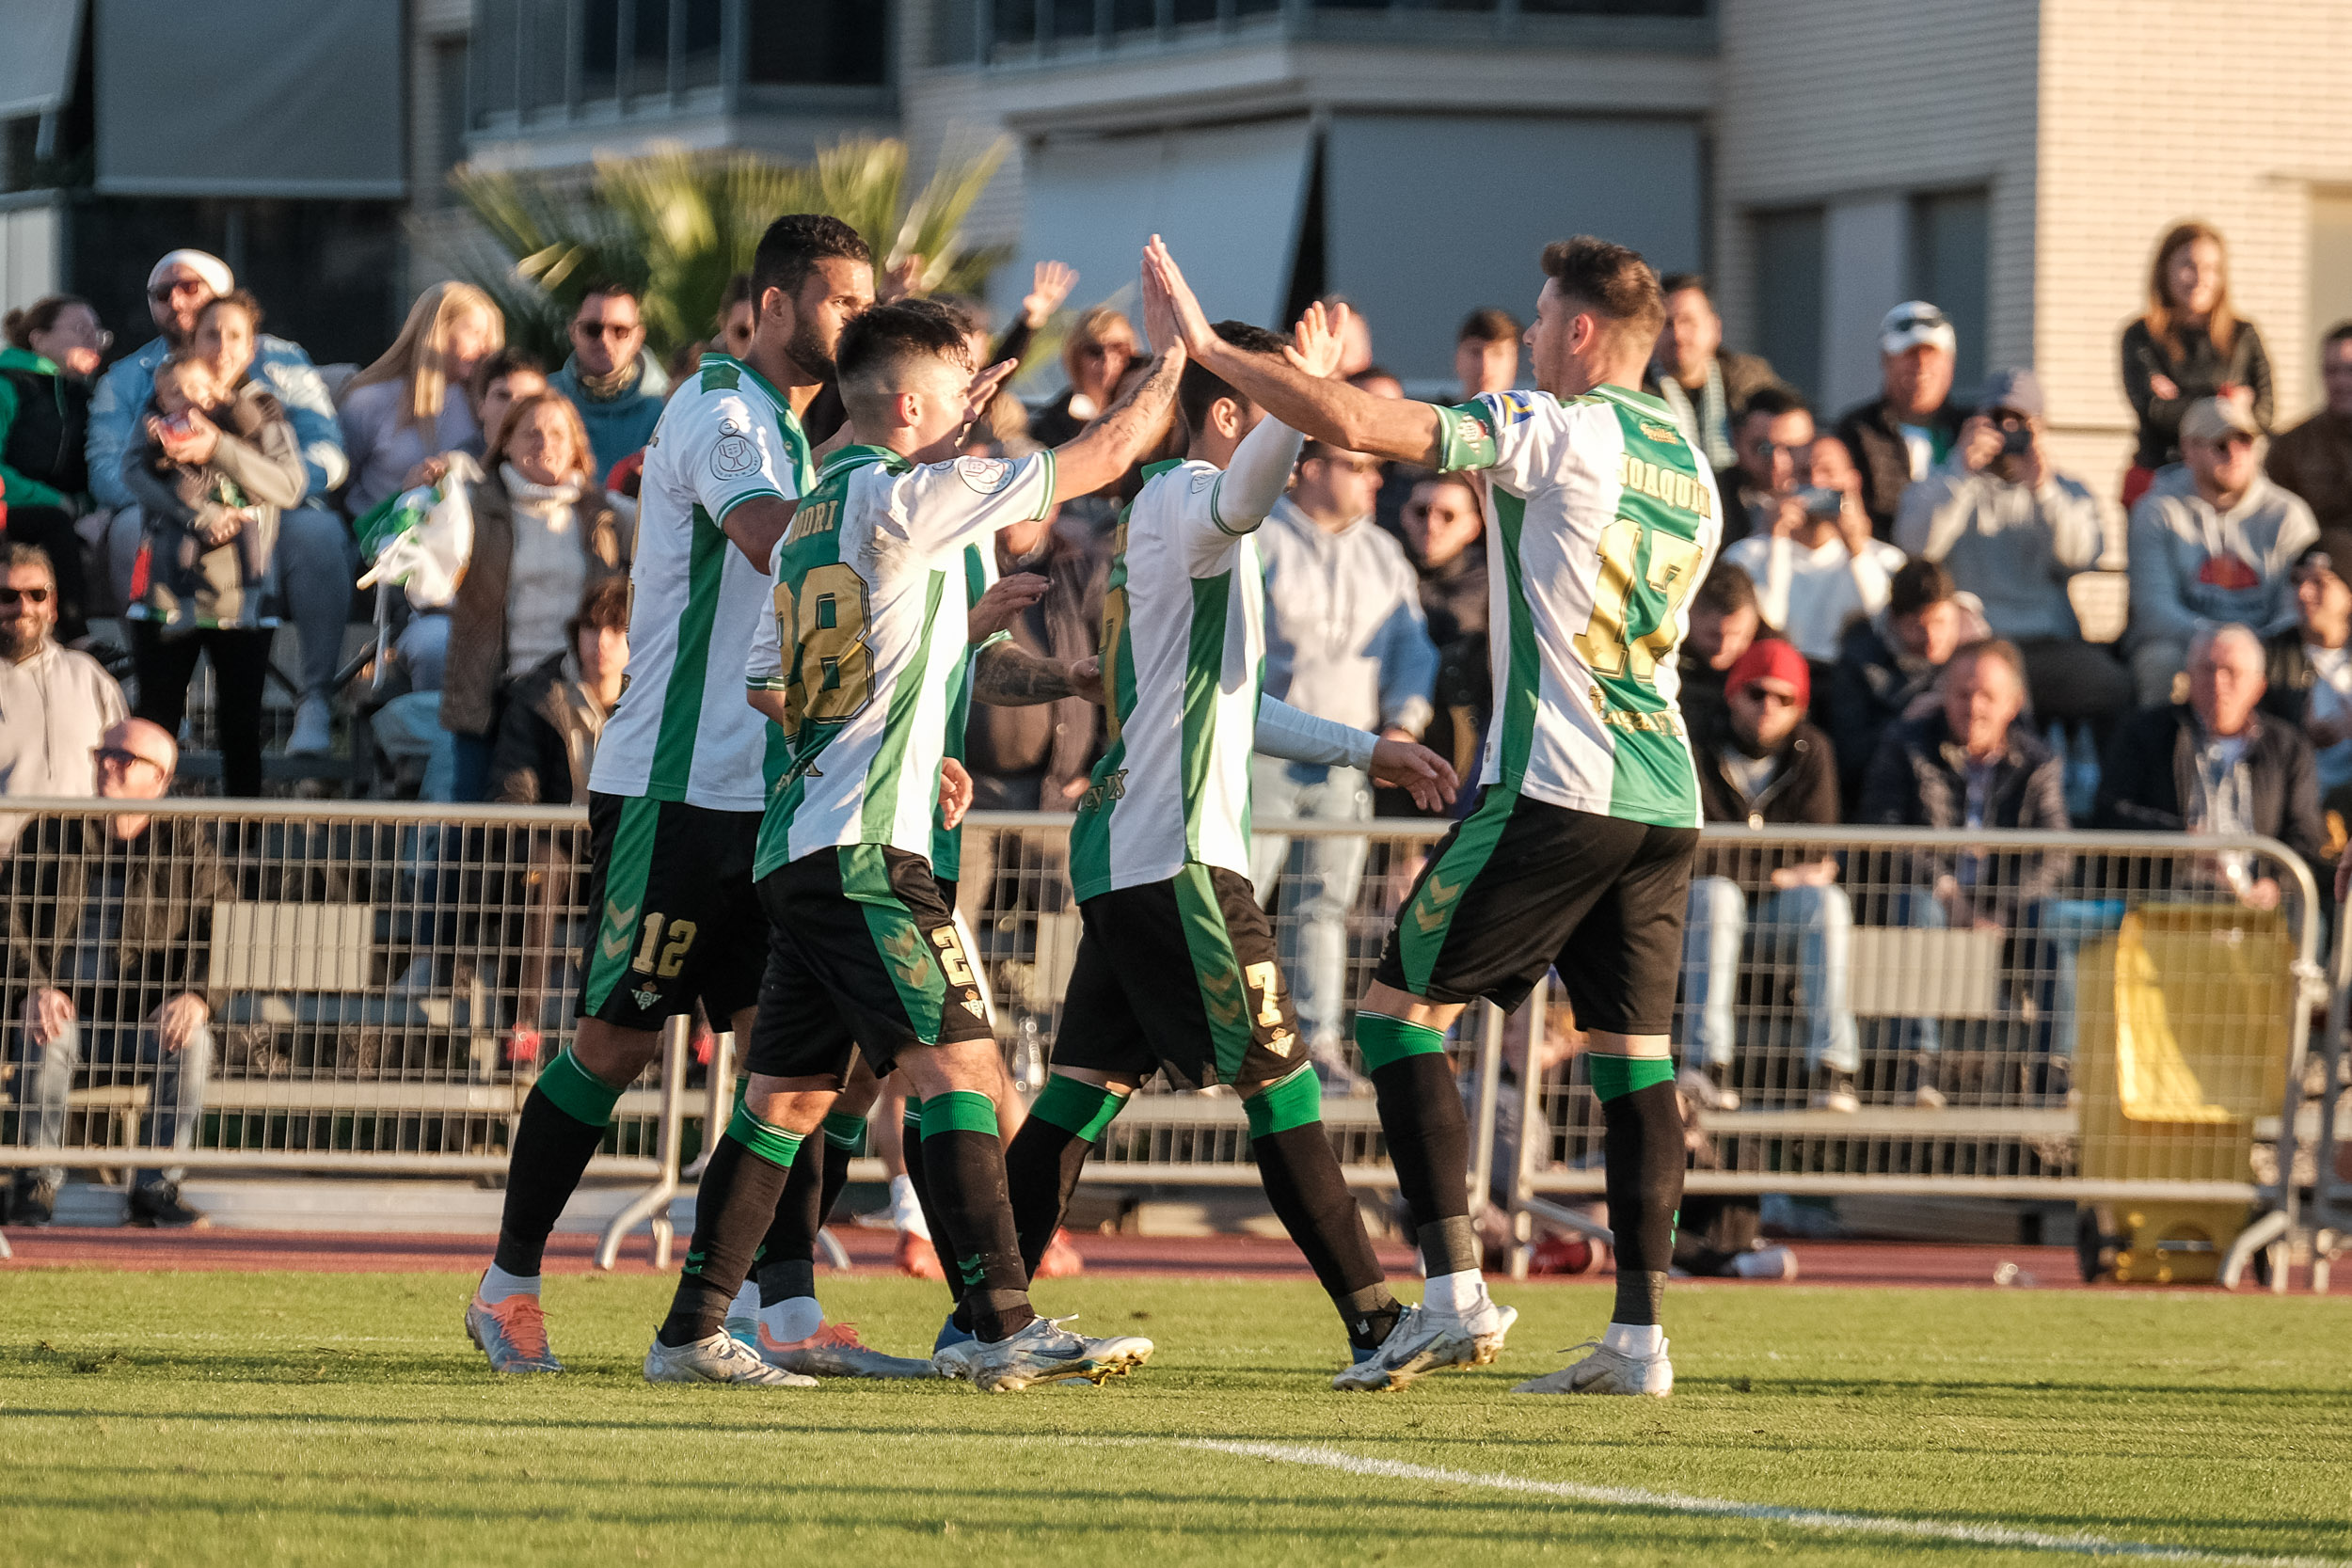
point(721, 1358)
point(1040, 1352)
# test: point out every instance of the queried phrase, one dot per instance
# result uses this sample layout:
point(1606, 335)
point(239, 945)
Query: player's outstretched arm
point(1293, 736)
point(1006, 675)
point(1097, 455)
point(1329, 411)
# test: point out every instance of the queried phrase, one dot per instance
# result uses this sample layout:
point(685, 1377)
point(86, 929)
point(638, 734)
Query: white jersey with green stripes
point(682, 731)
point(1183, 657)
point(979, 576)
point(1602, 517)
point(867, 641)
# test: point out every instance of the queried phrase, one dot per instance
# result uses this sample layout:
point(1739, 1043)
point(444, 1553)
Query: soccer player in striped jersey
point(1177, 966)
point(854, 667)
point(1601, 519)
point(681, 771)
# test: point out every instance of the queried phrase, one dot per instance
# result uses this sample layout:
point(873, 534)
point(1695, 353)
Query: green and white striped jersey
point(682, 731)
point(868, 640)
point(1602, 517)
point(979, 575)
point(1183, 657)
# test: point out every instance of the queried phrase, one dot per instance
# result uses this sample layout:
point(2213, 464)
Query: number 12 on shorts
point(1670, 572)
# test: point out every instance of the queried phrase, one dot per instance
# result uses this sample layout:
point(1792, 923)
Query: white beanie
point(203, 263)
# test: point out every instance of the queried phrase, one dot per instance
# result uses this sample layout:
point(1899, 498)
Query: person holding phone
point(1817, 568)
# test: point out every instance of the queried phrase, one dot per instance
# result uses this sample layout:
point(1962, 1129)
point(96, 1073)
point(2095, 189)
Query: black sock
point(785, 1262)
point(934, 1221)
point(1311, 1198)
point(836, 1176)
point(1428, 1140)
point(552, 1151)
point(1643, 1139)
point(1041, 1172)
point(736, 1205)
point(965, 1161)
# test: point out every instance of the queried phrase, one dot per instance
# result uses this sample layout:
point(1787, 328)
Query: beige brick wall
point(2162, 109)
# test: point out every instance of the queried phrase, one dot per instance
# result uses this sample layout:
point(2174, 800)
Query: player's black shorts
point(1179, 975)
point(863, 955)
point(677, 920)
point(1521, 885)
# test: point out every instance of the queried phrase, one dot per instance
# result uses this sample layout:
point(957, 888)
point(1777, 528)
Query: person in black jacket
point(53, 348)
point(1888, 666)
point(1968, 764)
point(2216, 765)
point(1913, 425)
point(2190, 344)
point(1761, 763)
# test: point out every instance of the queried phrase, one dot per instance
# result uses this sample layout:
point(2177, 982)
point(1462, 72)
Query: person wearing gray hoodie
point(2214, 545)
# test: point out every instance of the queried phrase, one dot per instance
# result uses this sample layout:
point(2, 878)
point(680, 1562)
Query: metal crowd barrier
point(2092, 1016)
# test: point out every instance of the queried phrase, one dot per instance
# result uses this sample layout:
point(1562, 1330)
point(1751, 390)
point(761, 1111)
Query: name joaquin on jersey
point(1667, 487)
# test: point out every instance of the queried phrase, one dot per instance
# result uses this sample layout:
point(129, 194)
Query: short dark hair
point(739, 289)
point(1675, 282)
point(1489, 325)
point(604, 605)
point(1920, 582)
point(2340, 333)
point(1374, 373)
point(793, 246)
point(2000, 648)
point(1773, 400)
point(882, 336)
point(505, 362)
point(1199, 387)
point(40, 316)
point(242, 299)
point(1611, 278)
point(1727, 589)
point(611, 288)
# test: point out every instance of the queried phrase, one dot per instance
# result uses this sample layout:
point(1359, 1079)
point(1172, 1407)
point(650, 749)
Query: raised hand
point(1319, 340)
point(1002, 605)
point(1192, 322)
point(1050, 284)
point(978, 396)
point(904, 279)
point(1417, 770)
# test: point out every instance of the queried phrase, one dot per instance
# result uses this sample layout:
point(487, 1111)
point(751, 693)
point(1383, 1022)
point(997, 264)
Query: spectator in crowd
point(1724, 623)
point(2217, 765)
point(1706, 389)
point(1771, 436)
point(1911, 426)
point(213, 477)
point(2308, 673)
point(1970, 764)
point(109, 943)
point(2189, 346)
point(499, 382)
point(1888, 665)
point(2314, 459)
point(610, 378)
point(1760, 762)
point(54, 703)
point(543, 535)
point(1486, 353)
point(2215, 549)
point(1346, 641)
point(1818, 567)
point(1100, 346)
point(737, 314)
point(411, 404)
point(316, 558)
point(52, 351)
point(1445, 537)
point(2012, 530)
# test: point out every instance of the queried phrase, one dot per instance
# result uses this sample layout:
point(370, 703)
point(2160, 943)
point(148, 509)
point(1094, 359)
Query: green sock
point(1383, 1040)
point(844, 1130)
point(578, 1093)
point(773, 1144)
point(1082, 1110)
point(1614, 1077)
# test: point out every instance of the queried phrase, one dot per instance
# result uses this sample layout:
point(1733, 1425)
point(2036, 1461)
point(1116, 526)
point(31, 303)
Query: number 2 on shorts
point(1673, 571)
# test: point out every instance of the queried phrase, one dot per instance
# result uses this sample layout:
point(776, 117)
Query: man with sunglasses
point(610, 377)
point(109, 944)
point(2220, 547)
point(1899, 435)
point(54, 702)
point(316, 557)
point(1345, 639)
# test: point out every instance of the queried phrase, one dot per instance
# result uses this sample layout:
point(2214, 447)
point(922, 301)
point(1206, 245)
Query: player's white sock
point(496, 1285)
point(792, 1319)
point(906, 1210)
point(1455, 1294)
point(1636, 1339)
point(746, 1301)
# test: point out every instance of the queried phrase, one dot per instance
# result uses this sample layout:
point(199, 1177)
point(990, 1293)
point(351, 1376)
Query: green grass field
point(324, 1418)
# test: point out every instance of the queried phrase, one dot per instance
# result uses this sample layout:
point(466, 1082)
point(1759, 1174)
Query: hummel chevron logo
point(1435, 898)
point(1220, 981)
point(907, 957)
point(620, 925)
point(1225, 1010)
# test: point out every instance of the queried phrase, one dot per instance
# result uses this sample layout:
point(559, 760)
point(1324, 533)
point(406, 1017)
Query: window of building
point(1788, 291)
point(1951, 235)
point(795, 42)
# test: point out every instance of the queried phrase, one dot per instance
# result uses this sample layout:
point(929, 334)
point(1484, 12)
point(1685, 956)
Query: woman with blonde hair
point(1099, 349)
point(543, 535)
point(412, 405)
point(2189, 344)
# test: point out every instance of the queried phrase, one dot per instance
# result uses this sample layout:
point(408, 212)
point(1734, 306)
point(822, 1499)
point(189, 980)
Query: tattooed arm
point(1006, 676)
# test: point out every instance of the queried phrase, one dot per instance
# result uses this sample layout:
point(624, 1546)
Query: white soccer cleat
point(835, 1351)
point(1423, 1341)
point(1607, 1372)
point(1042, 1352)
point(721, 1358)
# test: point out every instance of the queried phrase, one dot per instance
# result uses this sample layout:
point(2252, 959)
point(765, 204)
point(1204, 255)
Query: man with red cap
point(1761, 763)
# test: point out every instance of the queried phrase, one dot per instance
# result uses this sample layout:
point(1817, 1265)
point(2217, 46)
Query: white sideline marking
point(1809, 1518)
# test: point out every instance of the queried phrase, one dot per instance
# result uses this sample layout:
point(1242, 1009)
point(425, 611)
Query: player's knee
point(615, 1054)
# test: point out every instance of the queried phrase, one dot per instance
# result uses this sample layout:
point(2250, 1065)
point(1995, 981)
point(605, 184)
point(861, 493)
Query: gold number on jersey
point(674, 951)
point(1114, 627)
point(1672, 570)
point(951, 959)
point(642, 963)
point(1267, 980)
point(833, 678)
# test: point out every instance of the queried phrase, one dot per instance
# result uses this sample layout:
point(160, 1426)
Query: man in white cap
point(316, 561)
point(2218, 550)
point(1908, 429)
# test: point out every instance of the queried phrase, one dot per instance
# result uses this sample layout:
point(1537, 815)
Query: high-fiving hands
point(1050, 283)
point(1319, 340)
point(1190, 322)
